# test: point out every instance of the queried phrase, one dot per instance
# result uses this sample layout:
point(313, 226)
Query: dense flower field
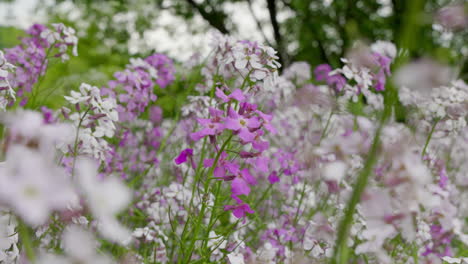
point(259, 165)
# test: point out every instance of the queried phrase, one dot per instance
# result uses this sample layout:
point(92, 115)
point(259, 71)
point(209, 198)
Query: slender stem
point(340, 254)
point(429, 137)
point(26, 241)
point(205, 192)
point(300, 203)
point(75, 146)
point(326, 127)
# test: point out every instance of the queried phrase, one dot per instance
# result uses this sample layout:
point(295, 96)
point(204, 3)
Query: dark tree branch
point(259, 25)
point(214, 18)
point(271, 4)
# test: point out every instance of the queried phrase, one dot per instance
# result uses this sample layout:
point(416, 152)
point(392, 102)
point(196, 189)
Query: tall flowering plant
point(257, 164)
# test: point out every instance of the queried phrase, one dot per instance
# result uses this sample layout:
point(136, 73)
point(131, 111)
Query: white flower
point(385, 48)
point(334, 171)
point(140, 63)
point(79, 246)
point(298, 72)
point(7, 94)
point(33, 186)
point(105, 198)
point(236, 258)
point(455, 260)
point(76, 97)
point(28, 128)
point(8, 238)
point(98, 113)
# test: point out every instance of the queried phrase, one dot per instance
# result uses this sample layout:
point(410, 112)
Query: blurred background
point(315, 31)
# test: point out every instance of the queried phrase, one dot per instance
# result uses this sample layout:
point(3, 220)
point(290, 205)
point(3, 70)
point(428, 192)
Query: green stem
point(75, 147)
point(429, 138)
point(26, 241)
point(326, 127)
point(205, 192)
point(340, 253)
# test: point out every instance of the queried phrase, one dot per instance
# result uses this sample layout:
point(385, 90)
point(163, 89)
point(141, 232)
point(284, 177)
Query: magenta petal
point(253, 122)
point(239, 186)
point(246, 135)
point(248, 177)
point(260, 145)
point(273, 177)
point(262, 164)
point(204, 121)
point(220, 94)
point(238, 212)
point(237, 95)
point(232, 124)
point(232, 167)
point(219, 172)
point(197, 135)
point(183, 156)
point(208, 163)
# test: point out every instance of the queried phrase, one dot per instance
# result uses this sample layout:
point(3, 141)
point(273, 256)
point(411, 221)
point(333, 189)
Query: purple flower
point(164, 67)
point(243, 125)
point(273, 177)
point(155, 114)
point(211, 127)
point(240, 209)
point(336, 81)
point(236, 95)
point(240, 184)
point(183, 156)
point(321, 72)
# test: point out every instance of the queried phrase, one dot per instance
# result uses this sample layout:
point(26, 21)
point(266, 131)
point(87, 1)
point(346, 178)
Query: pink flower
point(267, 121)
point(273, 177)
point(211, 126)
point(242, 125)
point(321, 72)
point(240, 209)
point(223, 166)
point(183, 156)
point(240, 184)
point(236, 95)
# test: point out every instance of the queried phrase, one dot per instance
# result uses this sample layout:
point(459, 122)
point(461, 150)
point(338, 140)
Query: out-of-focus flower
point(105, 198)
point(453, 17)
point(34, 186)
point(298, 72)
point(79, 246)
point(423, 75)
point(32, 56)
point(31, 182)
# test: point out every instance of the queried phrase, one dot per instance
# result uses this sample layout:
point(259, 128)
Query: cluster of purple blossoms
point(31, 58)
point(248, 125)
point(133, 88)
point(270, 164)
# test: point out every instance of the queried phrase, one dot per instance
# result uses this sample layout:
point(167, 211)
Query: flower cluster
point(7, 94)
point(248, 124)
point(307, 166)
point(94, 118)
point(32, 56)
point(133, 88)
point(239, 60)
point(444, 107)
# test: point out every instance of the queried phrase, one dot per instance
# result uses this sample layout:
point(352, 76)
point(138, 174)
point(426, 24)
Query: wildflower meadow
point(239, 155)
